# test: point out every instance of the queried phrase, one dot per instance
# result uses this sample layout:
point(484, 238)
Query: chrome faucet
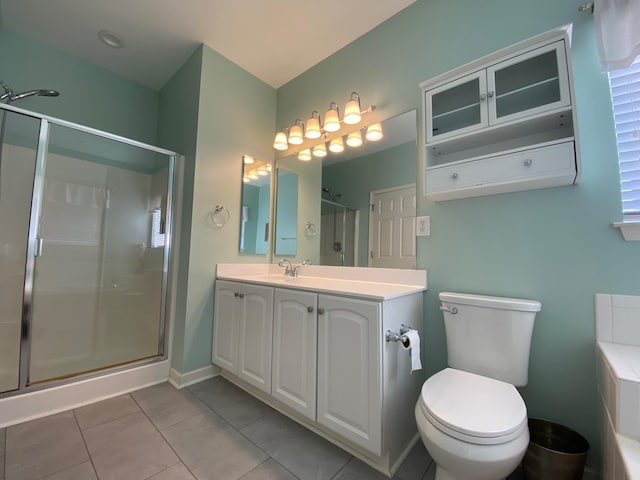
point(289, 270)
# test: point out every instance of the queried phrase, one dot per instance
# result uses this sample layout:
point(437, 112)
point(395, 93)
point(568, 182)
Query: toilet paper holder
point(395, 337)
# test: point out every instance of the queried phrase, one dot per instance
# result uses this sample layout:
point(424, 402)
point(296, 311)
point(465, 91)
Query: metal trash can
point(555, 452)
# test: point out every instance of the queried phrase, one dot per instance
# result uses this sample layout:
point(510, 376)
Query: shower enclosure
point(338, 234)
point(85, 230)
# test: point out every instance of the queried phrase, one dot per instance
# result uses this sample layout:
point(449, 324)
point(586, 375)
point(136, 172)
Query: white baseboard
point(182, 380)
point(32, 405)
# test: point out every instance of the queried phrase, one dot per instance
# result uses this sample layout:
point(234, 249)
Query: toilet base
point(467, 461)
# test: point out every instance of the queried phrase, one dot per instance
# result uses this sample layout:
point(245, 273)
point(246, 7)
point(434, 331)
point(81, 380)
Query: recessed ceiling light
point(110, 39)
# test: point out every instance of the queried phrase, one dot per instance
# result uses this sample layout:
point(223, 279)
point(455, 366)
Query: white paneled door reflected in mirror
point(255, 206)
point(336, 194)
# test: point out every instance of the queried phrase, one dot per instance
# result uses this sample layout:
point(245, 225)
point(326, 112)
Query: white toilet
point(471, 418)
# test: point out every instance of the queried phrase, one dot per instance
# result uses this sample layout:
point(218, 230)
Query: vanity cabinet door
point(349, 370)
point(255, 335)
point(226, 312)
point(295, 336)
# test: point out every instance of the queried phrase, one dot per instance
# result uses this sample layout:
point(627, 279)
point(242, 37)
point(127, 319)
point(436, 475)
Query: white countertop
point(368, 283)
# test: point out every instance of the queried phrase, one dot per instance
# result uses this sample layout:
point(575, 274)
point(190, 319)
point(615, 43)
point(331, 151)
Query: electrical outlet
point(423, 226)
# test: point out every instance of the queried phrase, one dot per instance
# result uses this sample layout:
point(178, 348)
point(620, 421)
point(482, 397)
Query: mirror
point(336, 195)
point(255, 206)
point(286, 213)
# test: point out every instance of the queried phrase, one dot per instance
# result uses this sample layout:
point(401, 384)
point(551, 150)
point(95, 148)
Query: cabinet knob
point(241, 295)
point(528, 162)
point(490, 93)
point(454, 175)
point(482, 96)
point(320, 311)
point(310, 309)
point(236, 294)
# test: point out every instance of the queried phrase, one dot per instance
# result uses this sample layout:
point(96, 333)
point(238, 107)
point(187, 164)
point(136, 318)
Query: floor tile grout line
point(111, 419)
point(84, 442)
point(165, 440)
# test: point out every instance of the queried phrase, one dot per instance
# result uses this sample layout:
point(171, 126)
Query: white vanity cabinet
point(242, 331)
point(295, 345)
point(350, 369)
point(314, 348)
point(485, 117)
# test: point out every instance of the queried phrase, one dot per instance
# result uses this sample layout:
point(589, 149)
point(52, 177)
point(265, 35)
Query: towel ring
point(219, 216)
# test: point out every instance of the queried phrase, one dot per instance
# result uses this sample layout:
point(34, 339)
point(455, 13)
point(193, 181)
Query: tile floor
point(211, 430)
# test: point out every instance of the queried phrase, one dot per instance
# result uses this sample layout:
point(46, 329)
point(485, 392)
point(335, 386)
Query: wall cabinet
point(515, 100)
point(328, 365)
point(242, 331)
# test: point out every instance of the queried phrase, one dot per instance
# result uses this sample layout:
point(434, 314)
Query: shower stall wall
point(85, 235)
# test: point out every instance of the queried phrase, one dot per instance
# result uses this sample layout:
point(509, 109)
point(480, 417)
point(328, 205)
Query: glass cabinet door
point(528, 84)
point(457, 107)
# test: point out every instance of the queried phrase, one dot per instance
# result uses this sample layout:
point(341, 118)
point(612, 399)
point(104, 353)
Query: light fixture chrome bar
point(586, 7)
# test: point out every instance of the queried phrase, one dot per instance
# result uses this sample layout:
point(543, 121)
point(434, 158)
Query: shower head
point(31, 93)
point(9, 96)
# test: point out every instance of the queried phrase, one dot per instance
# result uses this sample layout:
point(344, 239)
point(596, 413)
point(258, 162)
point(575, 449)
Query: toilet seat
point(473, 408)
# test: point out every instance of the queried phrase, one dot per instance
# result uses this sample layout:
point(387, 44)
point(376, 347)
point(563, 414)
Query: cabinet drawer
point(533, 165)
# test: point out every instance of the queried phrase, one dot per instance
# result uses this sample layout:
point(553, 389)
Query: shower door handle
point(39, 245)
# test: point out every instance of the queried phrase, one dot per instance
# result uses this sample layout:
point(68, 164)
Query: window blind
point(157, 238)
point(625, 94)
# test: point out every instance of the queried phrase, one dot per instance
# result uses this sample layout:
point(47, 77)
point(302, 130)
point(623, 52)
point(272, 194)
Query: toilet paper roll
point(411, 342)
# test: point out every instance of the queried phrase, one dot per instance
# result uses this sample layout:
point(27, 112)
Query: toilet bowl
point(474, 427)
point(471, 418)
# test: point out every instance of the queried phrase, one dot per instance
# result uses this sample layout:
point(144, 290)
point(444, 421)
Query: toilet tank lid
point(504, 303)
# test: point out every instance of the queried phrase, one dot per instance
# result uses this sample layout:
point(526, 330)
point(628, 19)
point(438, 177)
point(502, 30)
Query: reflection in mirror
point(286, 213)
point(256, 195)
point(381, 172)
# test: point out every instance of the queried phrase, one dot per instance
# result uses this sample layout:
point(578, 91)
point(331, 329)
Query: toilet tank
point(489, 336)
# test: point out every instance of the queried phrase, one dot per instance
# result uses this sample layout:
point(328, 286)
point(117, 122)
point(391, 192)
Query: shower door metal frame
point(32, 251)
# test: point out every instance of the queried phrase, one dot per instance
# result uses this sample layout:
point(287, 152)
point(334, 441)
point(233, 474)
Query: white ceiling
point(275, 40)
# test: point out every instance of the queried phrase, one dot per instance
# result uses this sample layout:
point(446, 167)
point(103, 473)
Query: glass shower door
point(99, 273)
point(18, 145)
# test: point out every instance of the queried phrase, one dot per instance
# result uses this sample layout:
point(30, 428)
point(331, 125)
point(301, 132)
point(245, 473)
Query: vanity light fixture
point(312, 130)
point(332, 118)
point(248, 159)
point(280, 142)
point(374, 132)
point(262, 172)
point(320, 150)
point(354, 139)
point(296, 133)
point(304, 155)
point(352, 110)
point(336, 145)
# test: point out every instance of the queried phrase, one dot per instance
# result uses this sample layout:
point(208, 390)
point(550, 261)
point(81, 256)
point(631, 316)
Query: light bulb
point(304, 155)
point(313, 126)
point(253, 176)
point(352, 110)
point(280, 142)
point(336, 145)
point(248, 159)
point(295, 134)
point(245, 179)
point(332, 119)
point(374, 132)
point(320, 150)
point(354, 139)
point(262, 172)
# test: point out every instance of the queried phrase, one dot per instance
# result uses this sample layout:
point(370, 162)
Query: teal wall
point(286, 234)
point(393, 167)
point(177, 131)
point(236, 116)
point(553, 245)
point(89, 95)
